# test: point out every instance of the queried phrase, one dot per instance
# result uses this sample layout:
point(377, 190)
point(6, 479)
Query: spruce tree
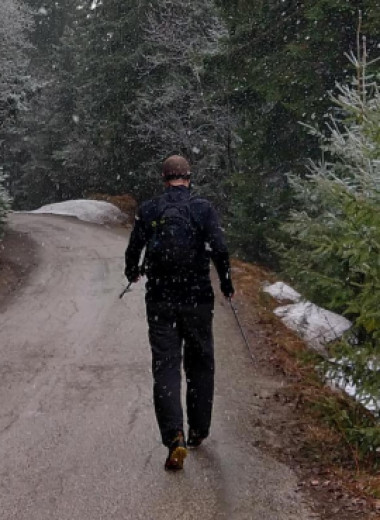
point(143, 91)
point(106, 48)
point(282, 60)
point(4, 202)
point(335, 251)
point(124, 85)
point(33, 177)
point(178, 107)
point(15, 84)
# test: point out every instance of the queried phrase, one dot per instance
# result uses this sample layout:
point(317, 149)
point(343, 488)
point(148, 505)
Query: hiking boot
point(195, 439)
point(177, 453)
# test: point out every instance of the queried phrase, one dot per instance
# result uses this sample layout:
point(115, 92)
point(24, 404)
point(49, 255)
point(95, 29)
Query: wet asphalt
point(78, 437)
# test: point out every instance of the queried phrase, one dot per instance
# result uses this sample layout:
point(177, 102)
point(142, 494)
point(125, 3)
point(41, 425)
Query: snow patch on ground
point(281, 291)
point(340, 381)
point(96, 211)
point(315, 325)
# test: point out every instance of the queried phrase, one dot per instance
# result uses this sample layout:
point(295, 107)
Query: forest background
point(94, 94)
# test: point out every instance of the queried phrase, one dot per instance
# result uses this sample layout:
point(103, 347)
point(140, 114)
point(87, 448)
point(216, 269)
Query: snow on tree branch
point(15, 20)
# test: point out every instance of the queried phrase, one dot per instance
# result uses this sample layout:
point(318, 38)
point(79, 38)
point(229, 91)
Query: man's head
point(176, 171)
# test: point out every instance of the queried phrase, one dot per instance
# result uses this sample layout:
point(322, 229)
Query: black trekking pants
point(173, 329)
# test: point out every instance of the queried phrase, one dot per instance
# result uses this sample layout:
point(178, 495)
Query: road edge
point(18, 258)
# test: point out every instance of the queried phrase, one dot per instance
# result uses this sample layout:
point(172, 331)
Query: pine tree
point(31, 170)
point(4, 203)
point(107, 80)
point(334, 257)
point(283, 58)
point(15, 21)
point(125, 84)
point(178, 106)
point(162, 99)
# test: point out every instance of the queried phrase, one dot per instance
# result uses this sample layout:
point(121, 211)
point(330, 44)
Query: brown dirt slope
point(18, 256)
point(327, 467)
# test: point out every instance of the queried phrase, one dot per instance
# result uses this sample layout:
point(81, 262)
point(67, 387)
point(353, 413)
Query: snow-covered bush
point(15, 20)
point(335, 253)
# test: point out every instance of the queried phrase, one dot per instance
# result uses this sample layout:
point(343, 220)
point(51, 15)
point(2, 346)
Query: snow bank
point(315, 325)
point(340, 381)
point(96, 211)
point(281, 291)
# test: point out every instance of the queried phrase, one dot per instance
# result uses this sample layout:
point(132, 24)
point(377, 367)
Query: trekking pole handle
point(141, 273)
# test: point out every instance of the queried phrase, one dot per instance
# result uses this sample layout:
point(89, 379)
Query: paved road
point(78, 438)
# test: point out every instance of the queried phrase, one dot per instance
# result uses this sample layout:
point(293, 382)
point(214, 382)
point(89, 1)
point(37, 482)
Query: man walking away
point(181, 234)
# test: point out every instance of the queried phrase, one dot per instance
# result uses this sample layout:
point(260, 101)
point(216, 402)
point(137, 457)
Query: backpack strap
point(163, 205)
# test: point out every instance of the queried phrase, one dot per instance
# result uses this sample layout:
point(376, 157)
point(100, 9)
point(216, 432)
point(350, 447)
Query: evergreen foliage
point(131, 83)
point(14, 22)
point(335, 251)
point(15, 84)
point(283, 58)
point(104, 51)
point(4, 203)
point(33, 172)
point(178, 107)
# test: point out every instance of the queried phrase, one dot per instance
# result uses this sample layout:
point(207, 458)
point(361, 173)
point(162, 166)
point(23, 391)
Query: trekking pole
point(125, 290)
point(235, 311)
point(141, 273)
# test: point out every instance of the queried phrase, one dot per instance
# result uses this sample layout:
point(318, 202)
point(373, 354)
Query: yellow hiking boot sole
point(176, 458)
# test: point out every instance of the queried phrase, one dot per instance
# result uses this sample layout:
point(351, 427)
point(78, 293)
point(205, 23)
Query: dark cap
point(176, 167)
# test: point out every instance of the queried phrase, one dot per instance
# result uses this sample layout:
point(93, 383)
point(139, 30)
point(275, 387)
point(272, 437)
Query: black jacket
point(194, 286)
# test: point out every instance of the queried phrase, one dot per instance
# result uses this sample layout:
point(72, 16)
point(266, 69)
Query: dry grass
point(322, 443)
point(250, 280)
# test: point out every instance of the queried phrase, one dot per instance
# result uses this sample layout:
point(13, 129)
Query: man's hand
point(133, 275)
point(227, 289)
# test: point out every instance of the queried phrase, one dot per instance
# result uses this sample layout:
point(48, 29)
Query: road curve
point(78, 438)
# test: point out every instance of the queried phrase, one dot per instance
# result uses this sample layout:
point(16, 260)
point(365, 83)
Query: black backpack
point(175, 239)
